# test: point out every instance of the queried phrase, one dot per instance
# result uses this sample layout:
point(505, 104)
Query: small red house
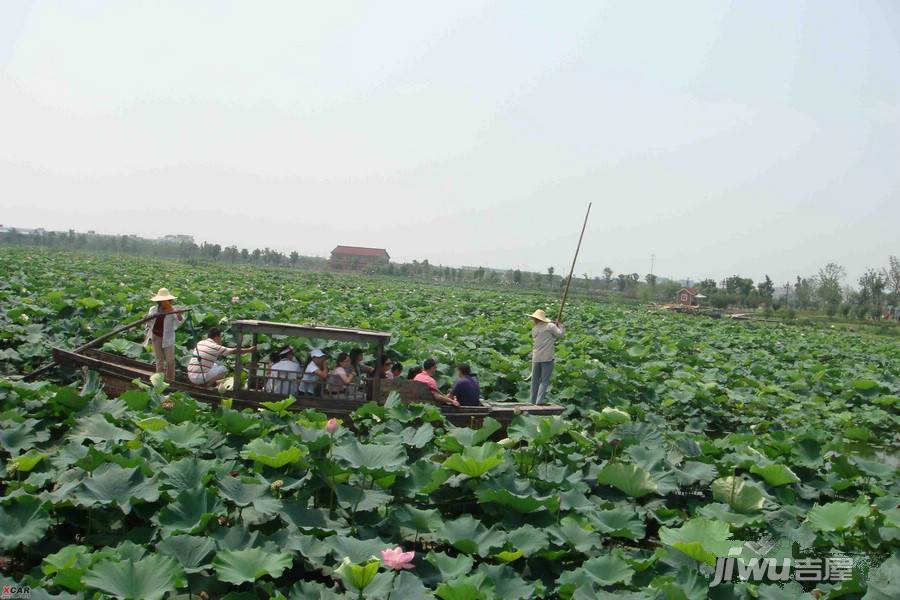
point(688, 296)
point(357, 257)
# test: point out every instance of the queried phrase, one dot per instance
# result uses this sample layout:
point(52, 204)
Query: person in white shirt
point(315, 374)
point(544, 333)
point(203, 368)
point(161, 332)
point(284, 376)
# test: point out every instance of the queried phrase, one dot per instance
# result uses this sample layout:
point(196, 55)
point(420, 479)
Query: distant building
point(355, 257)
point(688, 296)
point(177, 239)
point(22, 230)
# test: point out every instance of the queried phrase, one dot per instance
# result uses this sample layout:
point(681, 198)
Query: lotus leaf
point(23, 521)
point(630, 479)
point(149, 578)
point(278, 453)
point(241, 566)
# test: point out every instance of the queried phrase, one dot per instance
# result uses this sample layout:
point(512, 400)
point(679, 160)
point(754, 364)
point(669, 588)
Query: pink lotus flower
point(397, 559)
point(332, 425)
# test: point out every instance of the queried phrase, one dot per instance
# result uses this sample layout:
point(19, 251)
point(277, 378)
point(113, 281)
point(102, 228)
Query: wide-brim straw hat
point(162, 294)
point(540, 315)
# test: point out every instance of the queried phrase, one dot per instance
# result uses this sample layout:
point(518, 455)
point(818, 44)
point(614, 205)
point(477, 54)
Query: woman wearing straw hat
point(544, 333)
point(161, 332)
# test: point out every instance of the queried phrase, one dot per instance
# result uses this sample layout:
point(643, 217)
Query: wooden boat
point(118, 374)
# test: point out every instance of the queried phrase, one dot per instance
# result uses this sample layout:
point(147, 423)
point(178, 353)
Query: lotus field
point(684, 439)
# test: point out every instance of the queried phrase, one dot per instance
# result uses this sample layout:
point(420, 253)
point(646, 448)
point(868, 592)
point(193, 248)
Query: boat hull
point(118, 373)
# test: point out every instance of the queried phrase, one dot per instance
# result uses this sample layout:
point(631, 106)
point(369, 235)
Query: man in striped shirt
point(203, 368)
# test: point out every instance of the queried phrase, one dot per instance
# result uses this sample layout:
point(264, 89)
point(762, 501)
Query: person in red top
point(429, 367)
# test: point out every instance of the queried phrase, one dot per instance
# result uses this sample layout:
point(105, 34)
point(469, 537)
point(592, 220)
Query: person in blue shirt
point(466, 390)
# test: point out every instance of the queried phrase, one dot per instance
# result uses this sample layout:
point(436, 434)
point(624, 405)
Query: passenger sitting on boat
point(386, 365)
point(396, 371)
point(274, 357)
point(357, 367)
point(429, 367)
point(339, 378)
point(413, 371)
point(466, 389)
point(315, 374)
point(284, 374)
point(203, 368)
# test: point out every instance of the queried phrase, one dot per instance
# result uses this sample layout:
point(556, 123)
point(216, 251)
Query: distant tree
point(892, 278)
point(295, 258)
point(738, 285)
point(871, 291)
point(828, 286)
point(211, 251)
point(517, 277)
point(804, 291)
point(650, 278)
point(766, 290)
point(719, 299)
point(550, 272)
point(707, 287)
point(669, 290)
point(187, 249)
point(629, 282)
point(607, 276)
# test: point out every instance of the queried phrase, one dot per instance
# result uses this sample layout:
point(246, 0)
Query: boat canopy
point(255, 389)
point(313, 331)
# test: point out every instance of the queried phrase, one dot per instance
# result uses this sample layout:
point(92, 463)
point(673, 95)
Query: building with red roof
point(357, 257)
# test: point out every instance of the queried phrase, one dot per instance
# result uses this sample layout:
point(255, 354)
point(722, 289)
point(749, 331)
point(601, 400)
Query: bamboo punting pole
point(575, 258)
point(100, 340)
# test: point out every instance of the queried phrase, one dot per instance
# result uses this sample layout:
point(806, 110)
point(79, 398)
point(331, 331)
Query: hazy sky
point(725, 137)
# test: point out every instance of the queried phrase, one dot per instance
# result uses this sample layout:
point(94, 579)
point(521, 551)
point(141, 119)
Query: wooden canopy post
point(252, 379)
point(376, 381)
point(238, 375)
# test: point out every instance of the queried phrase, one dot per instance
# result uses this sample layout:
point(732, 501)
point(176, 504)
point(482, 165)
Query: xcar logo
point(15, 591)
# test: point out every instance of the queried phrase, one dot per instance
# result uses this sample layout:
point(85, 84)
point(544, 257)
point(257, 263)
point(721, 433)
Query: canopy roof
point(313, 331)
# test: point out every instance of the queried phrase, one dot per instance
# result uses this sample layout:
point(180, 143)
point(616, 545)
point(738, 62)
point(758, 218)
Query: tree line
point(877, 292)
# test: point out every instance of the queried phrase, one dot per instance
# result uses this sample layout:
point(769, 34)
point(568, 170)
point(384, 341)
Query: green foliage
point(701, 539)
point(631, 479)
point(149, 578)
point(241, 566)
point(475, 461)
point(23, 521)
point(683, 437)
